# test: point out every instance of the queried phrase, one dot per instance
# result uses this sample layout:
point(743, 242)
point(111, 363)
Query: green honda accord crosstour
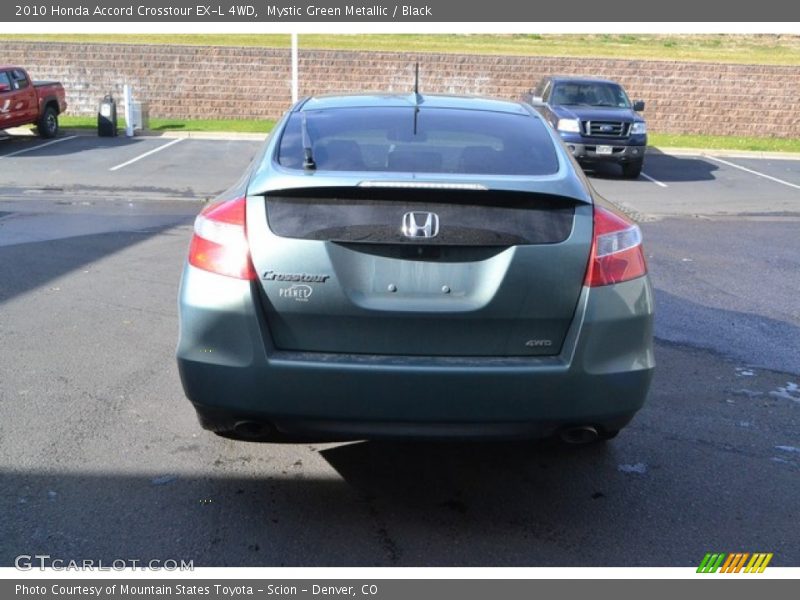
point(414, 266)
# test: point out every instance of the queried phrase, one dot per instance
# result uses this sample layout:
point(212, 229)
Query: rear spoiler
point(374, 215)
point(571, 189)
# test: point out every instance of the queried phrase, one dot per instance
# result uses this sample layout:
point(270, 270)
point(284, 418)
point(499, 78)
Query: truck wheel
point(632, 170)
point(48, 123)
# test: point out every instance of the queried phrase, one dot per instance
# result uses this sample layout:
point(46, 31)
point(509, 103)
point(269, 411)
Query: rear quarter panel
point(49, 92)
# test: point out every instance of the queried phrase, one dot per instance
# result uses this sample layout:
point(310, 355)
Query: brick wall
point(217, 82)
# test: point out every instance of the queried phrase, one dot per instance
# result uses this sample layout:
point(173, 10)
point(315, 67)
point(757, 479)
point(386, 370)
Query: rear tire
point(48, 123)
point(632, 170)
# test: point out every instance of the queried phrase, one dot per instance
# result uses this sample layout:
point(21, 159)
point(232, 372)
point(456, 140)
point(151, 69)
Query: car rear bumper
point(237, 380)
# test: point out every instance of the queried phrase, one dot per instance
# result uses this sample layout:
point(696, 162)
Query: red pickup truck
point(26, 102)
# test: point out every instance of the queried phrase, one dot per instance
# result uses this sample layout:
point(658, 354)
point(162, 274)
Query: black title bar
point(434, 11)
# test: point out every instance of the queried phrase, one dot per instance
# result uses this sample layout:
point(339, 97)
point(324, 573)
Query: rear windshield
point(430, 140)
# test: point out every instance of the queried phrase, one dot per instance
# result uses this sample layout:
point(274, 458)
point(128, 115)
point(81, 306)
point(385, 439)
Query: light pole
point(294, 68)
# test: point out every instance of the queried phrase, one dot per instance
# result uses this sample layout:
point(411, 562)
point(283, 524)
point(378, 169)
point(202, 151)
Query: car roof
point(579, 79)
point(7, 67)
point(381, 100)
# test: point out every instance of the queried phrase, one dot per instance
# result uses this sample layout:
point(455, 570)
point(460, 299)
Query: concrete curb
point(723, 153)
point(204, 135)
point(194, 135)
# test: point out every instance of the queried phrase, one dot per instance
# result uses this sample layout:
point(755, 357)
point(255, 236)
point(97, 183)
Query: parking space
point(707, 184)
point(17, 146)
point(96, 431)
point(783, 171)
point(130, 167)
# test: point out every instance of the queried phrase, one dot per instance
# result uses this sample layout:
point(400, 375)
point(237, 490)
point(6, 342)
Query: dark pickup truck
point(596, 120)
point(27, 102)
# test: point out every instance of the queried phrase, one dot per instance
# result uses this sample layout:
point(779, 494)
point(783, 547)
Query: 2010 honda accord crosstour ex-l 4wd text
point(412, 266)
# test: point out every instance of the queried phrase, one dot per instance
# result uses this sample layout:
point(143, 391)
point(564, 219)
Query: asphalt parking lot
point(101, 456)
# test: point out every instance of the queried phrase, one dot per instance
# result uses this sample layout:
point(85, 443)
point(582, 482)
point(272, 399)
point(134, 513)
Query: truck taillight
point(219, 243)
point(616, 254)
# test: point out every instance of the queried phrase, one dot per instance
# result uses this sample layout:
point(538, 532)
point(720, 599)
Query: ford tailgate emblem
point(420, 224)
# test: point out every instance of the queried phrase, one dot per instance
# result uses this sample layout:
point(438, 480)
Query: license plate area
point(604, 150)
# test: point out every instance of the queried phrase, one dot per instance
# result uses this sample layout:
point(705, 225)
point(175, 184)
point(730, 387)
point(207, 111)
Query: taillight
point(219, 243)
point(616, 254)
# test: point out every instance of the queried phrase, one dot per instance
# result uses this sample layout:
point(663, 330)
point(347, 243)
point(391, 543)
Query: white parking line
point(752, 172)
point(141, 156)
point(50, 143)
point(656, 181)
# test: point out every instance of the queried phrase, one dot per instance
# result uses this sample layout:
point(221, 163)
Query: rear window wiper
point(308, 153)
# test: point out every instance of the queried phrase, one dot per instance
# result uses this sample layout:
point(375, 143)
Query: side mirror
point(638, 105)
point(4, 87)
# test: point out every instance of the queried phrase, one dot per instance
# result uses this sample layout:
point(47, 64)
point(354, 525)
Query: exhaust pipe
point(584, 434)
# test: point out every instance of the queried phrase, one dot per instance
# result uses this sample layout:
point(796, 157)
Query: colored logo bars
point(734, 563)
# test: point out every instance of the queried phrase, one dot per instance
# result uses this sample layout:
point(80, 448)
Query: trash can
point(140, 116)
point(107, 117)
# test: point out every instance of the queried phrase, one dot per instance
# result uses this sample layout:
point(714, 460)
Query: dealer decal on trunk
point(300, 293)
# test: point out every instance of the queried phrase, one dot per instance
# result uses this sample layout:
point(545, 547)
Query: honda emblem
point(420, 224)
